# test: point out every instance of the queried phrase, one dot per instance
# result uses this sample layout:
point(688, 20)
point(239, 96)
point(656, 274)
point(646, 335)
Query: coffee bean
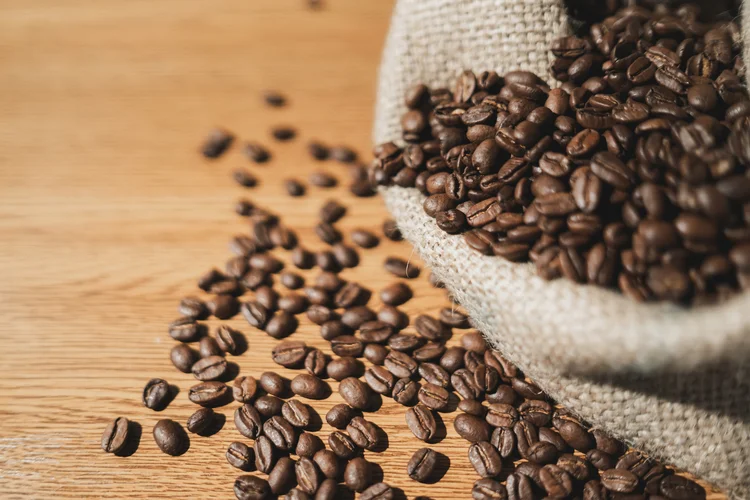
point(156, 394)
point(282, 477)
point(294, 187)
point(453, 318)
point(421, 422)
point(504, 440)
point(210, 368)
point(349, 295)
point(328, 463)
point(193, 307)
point(185, 329)
point(308, 445)
point(472, 407)
point(268, 406)
point(289, 353)
point(405, 343)
point(183, 357)
point(310, 387)
point(375, 354)
point(380, 380)
point(319, 314)
point(241, 456)
point(170, 437)
point(201, 420)
point(555, 481)
point(430, 328)
point(363, 433)
point(244, 389)
point(422, 464)
point(485, 459)
point(619, 481)
point(400, 364)
point(434, 374)
point(401, 268)
point(488, 489)
point(462, 381)
point(248, 422)
point(209, 394)
point(256, 314)
point(264, 454)
point(357, 316)
point(217, 142)
point(115, 435)
point(342, 445)
point(364, 238)
point(394, 317)
point(471, 428)
point(433, 396)
point(396, 294)
point(297, 413)
point(453, 359)
point(315, 363)
point(502, 415)
point(357, 474)
point(273, 383)
point(378, 491)
point(208, 347)
point(251, 488)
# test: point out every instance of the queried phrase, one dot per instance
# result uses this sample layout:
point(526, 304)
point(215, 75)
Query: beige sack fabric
point(672, 382)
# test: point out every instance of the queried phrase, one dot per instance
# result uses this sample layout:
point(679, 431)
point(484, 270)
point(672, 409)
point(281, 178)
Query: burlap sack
point(672, 382)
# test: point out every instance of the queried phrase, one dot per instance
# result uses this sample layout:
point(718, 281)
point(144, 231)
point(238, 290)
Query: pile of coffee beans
point(632, 175)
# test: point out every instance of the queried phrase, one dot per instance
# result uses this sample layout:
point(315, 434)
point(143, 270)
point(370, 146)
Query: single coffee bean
point(302, 258)
point(280, 432)
point(378, 491)
point(555, 481)
point(342, 445)
point(170, 437)
point(208, 347)
point(281, 325)
point(405, 391)
point(357, 316)
point(434, 374)
point(268, 406)
point(265, 454)
point(328, 463)
point(400, 364)
point(502, 415)
point(375, 354)
point(228, 339)
point(405, 343)
point(472, 407)
point(600, 460)
point(282, 477)
point(115, 435)
point(210, 368)
point(453, 359)
point(273, 383)
point(363, 433)
point(332, 211)
point(248, 422)
point(308, 445)
point(430, 328)
point(293, 303)
point(396, 294)
point(297, 413)
point(291, 280)
point(217, 142)
point(471, 428)
point(380, 380)
point(453, 318)
point(401, 268)
point(308, 475)
point(251, 488)
point(485, 459)
point(201, 420)
point(462, 381)
point(319, 314)
point(156, 394)
point(355, 392)
point(310, 387)
point(241, 456)
point(504, 440)
point(537, 412)
point(357, 474)
point(294, 187)
point(421, 422)
point(676, 487)
point(619, 480)
point(322, 180)
point(375, 332)
point(333, 329)
point(578, 468)
point(341, 368)
point(183, 357)
point(289, 353)
point(422, 464)
point(394, 317)
point(433, 396)
point(347, 346)
point(364, 238)
point(349, 295)
point(550, 436)
point(209, 394)
point(488, 489)
point(256, 314)
point(431, 351)
point(185, 329)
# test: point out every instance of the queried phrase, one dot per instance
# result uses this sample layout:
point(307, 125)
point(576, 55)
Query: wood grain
point(108, 215)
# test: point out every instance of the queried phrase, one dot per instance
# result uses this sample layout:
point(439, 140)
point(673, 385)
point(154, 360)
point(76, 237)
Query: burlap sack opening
point(672, 382)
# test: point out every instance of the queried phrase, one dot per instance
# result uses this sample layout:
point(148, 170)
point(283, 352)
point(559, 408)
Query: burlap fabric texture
point(672, 382)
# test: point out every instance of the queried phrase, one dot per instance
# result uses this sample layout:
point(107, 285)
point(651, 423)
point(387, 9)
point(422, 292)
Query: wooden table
point(108, 215)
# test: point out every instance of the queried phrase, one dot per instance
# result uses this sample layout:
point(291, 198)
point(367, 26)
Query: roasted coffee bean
point(347, 346)
point(422, 464)
point(244, 178)
point(193, 307)
point(280, 432)
point(292, 281)
point(421, 422)
point(527, 389)
point(251, 488)
point(434, 374)
point(471, 428)
point(396, 294)
point(241, 456)
point(342, 445)
point(485, 459)
point(210, 368)
point(170, 437)
point(217, 142)
point(358, 474)
point(315, 362)
point(364, 238)
point(183, 357)
point(363, 433)
point(600, 460)
point(294, 187)
point(380, 380)
point(201, 420)
point(156, 394)
point(375, 354)
point(404, 343)
point(454, 319)
point(349, 295)
point(185, 329)
point(357, 316)
point(319, 314)
point(488, 489)
point(282, 478)
point(401, 268)
point(678, 487)
point(268, 405)
point(576, 436)
point(378, 491)
point(328, 463)
point(228, 339)
point(462, 381)
point(310, 387)
point(405, 391)
point(256, 314)
point(209, 394)
point(340, 415)
point(293, 303)
point(355, 392)
point(244, 389)
point(308, 445)
point(453, 359)
point(331, 212)
point(400, 364)
point(431, 351)
point(502, 415)
point(472, 407)
point(394, 317)
point(619, 480)
point(433, 396)
point(504, 440)
point(273, 383)
point(208, 347)
point(430, 328)
point(115, 435)
point(308, 475)
point(289, 353)
point(248, 422)
point(341, 368)
point(555, 481)
point(297, 413)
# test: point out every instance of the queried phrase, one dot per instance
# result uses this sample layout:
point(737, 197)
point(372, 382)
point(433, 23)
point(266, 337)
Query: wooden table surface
point(108, 215)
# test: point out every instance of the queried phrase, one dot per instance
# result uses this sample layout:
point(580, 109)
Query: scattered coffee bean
point(201, 420)
point(310, 387)
point(156, 394)
point(421, 422)
point(401, 268)
point(364, 238)
point(274, 99)
point(283, 133)
point(422, 464)
point(294, 188)
point(241, 456)
point(251, 488)
point(217, 143)
point(170, 437)
point(115, 436)
point(183, 357)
